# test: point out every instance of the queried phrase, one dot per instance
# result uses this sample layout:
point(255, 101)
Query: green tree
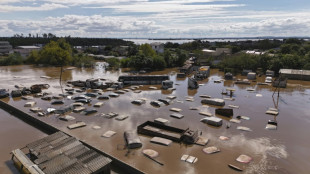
point(147, 50)
point(158, 63)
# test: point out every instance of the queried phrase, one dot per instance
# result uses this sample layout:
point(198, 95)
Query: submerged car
point(157, 103)
point(103, 97)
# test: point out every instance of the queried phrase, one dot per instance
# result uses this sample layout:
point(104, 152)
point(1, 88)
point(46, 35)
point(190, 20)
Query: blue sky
point(156, 18)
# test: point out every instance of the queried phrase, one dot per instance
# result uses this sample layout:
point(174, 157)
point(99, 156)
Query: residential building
point(24, 51)
point(5, 47)
point(158, 47)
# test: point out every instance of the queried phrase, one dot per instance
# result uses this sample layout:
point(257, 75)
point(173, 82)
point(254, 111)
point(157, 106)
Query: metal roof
point(295, 71)
point(60, 153)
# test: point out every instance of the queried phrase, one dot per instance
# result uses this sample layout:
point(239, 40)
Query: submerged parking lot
point(272, 151)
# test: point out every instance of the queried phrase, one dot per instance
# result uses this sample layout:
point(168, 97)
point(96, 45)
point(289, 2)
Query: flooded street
point(284, 150)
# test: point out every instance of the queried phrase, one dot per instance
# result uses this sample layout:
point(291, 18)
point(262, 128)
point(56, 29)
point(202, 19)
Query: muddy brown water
point(285, 150)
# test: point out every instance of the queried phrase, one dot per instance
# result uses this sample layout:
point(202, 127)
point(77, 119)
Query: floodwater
point(284, 150)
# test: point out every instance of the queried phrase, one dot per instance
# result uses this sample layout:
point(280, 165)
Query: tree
point(147, 50)
point(158, 63)
point(56, 53)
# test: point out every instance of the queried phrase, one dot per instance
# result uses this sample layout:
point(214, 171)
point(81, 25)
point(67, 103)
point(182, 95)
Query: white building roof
point(28, 47)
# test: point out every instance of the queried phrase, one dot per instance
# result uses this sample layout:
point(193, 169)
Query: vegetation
point(59, 53)
point(146, 58)
point(12, 59)
point(45, 38)
point(293, 54)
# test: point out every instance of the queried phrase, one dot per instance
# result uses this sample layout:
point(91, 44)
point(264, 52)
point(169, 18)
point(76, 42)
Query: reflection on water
point(271, 151)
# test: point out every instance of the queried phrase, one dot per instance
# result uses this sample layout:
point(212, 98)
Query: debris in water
point(244, 159)
point(210, 150)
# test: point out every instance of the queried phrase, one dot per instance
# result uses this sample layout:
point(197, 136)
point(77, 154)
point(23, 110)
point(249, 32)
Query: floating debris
point(189, 159)
point(162, 141)
point(108, 134)
point(224, 138)
point(235, 167)
point(50, 110)
point(175, 109)
point(244, 159)
point(243, 128)
point(120, 92)
point(202, 141)
point(210, 150)
point(190, 99)
point(179, 101)
point(153, 87)
point(151, 153)
point(259, 95)
point(137, 91)
point(235, 121)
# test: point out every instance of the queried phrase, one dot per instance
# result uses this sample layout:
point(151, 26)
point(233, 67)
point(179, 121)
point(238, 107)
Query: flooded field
point(284, 150)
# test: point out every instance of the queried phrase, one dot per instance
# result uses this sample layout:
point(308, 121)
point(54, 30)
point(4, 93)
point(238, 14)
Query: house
point(5, 47)
point(158, 47)
point(24, 51)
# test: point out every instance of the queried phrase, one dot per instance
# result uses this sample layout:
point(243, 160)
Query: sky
point(156, 18)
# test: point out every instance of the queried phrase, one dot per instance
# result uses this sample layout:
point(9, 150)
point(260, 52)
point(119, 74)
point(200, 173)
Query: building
point(217, 52)
point(24, 51)
point(158, 47)
point(295, 74)
point(5, 47)
point(61, 153)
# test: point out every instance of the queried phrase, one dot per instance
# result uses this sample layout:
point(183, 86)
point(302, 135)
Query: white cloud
point(87, 26)
point(43, 7)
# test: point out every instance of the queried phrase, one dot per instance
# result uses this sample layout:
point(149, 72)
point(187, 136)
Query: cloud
point(43, 7)
point(87, 26)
